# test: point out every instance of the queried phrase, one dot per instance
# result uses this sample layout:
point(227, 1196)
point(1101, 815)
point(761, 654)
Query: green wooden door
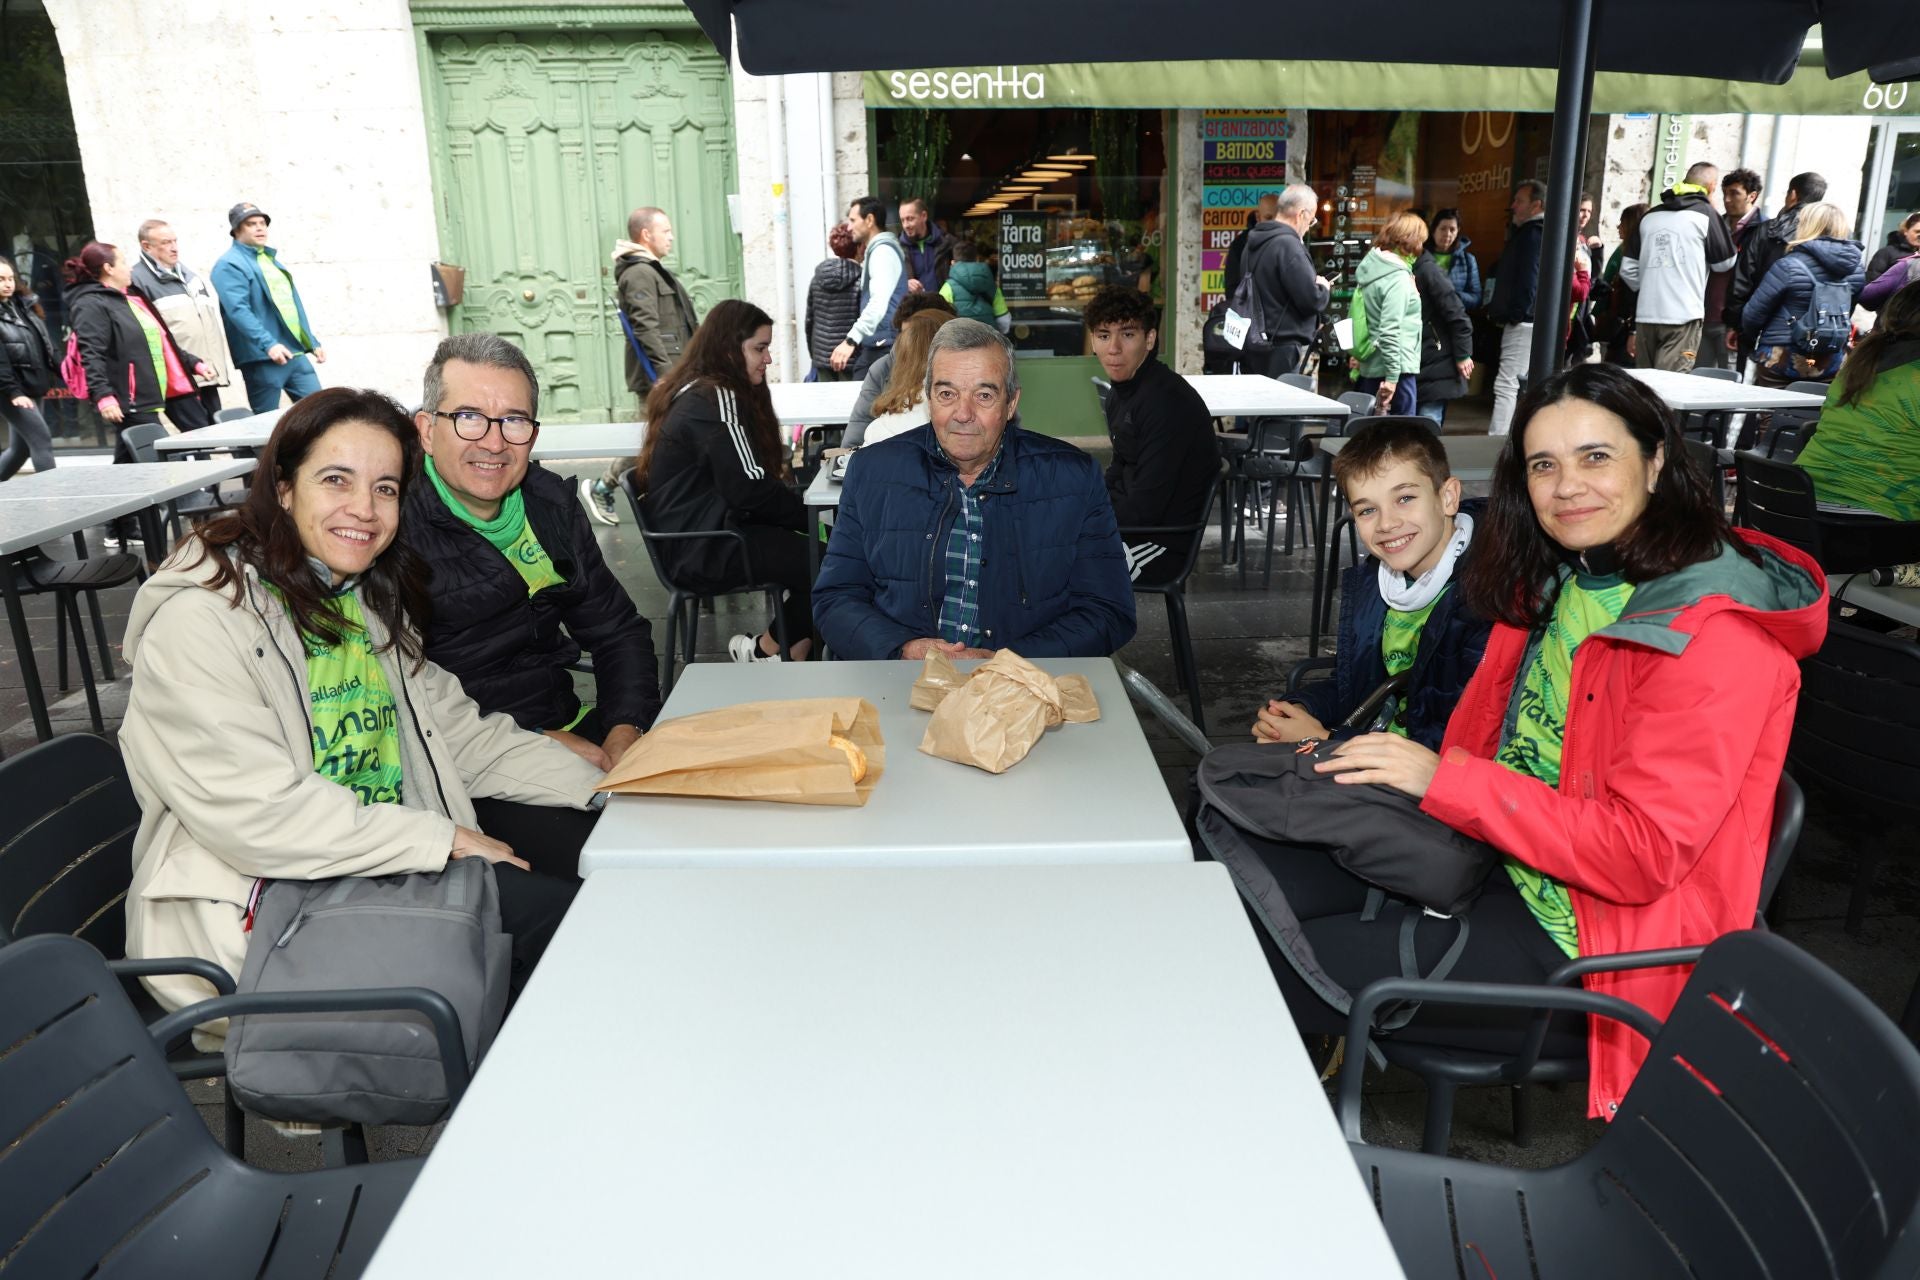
point(541, 147)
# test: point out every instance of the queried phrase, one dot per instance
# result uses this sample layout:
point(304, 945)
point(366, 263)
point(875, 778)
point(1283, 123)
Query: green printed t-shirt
point(280, 288)
point(356, 732)
point(1538, 727)
point(1400, 645)
point(156, 345)
point(509, 532)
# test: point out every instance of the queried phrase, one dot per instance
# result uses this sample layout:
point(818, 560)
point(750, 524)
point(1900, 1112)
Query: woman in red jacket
point(1623, 737)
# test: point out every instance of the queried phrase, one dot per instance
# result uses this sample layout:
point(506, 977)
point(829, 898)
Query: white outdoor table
point(1088, 793)
point(1902, 604)
point(1233, 395)
point(814, 404)
point(956, 1073)
point(39, 508)
point(558, 442)
point(1690, 393)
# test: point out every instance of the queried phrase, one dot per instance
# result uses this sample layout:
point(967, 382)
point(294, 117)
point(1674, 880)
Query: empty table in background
point(1086, 793)
point(1012, 1071)
point(813, 404)
point(1902, 604)
point(1690, 393)
point(1240, 395)
point(39, 508)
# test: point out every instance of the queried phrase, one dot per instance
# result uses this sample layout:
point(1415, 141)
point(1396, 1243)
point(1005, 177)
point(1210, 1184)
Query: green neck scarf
point(502, 531)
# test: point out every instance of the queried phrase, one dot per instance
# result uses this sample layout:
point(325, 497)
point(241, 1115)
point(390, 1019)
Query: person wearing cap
point(266, 322)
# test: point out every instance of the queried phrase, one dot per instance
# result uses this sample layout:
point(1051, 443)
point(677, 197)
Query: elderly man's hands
point(914, 650)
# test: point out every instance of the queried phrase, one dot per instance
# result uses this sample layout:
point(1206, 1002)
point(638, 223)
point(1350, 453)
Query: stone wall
point(313, 113)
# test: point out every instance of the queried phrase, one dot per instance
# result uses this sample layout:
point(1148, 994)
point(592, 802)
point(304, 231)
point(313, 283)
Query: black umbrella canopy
point(1756, 40)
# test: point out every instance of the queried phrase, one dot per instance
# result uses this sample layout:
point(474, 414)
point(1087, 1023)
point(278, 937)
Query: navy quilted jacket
point(1451, 645)
point(1056, 575)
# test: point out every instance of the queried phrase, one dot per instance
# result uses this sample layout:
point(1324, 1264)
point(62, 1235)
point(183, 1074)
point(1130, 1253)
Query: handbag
point(1261, 801)
point(434, 929)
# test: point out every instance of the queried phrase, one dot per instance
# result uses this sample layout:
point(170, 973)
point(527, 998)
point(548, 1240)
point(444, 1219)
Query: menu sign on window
point(1243, 156)
point(1023, 255)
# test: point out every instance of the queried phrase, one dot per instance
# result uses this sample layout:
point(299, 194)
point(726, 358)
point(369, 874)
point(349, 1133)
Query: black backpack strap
point(1410, 964)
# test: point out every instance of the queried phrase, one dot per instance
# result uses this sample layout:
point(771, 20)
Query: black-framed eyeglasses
point(471, 424)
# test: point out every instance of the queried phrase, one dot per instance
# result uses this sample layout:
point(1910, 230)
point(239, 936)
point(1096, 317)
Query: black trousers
point(531, 908)
point(1504, 944)
point(532, 903)
point(780, 555)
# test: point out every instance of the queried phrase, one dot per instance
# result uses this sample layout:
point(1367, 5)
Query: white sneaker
point(598, 501)
point(745, 648)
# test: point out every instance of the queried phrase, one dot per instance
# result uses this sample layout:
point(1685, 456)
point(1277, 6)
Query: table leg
point(93, 608)
point(23, 646)
point(153, 531)
point(1319, 561)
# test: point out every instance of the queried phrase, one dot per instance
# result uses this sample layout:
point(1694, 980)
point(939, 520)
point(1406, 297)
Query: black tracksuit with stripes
point(704, 475)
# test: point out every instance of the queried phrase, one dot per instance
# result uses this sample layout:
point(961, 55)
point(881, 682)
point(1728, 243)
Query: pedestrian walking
point(1291, 294)
point(266, 322)
point(1453, 253)
point(1799, 319)
point(1446, 338)
point(27, 373)
point(833, 302)
point(189, 304)
point(1516, 282)
point(1387, 354)
point(1667, 261)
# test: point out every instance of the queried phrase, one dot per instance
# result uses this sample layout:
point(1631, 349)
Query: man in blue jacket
point(970, 534)
point(266, 322)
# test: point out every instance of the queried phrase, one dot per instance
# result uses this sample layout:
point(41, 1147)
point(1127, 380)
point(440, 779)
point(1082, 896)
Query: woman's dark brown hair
point(1899, 322)
point(1511, 576)
point(263, 535)
point(713, 356)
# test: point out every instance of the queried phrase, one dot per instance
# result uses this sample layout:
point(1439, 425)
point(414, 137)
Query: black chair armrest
point(431, 1005)
point(1579, 967)
point(168, 966)
point(1486, 994)
point(1299, 669)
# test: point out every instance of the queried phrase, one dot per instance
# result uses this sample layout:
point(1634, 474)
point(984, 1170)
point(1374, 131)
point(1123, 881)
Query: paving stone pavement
point(1246, 640)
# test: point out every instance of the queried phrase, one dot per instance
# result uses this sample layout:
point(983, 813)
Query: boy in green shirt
point(1399, 615)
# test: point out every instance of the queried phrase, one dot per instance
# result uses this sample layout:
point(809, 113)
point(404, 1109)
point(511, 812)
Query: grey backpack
point(439, 930)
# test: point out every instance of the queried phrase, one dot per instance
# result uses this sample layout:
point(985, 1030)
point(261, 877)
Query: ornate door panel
point(543, 146)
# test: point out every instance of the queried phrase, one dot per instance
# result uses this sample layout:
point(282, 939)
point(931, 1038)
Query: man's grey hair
point(1297, 197)
point(972, 335)
point(1535, 189)
point(641, 219)
point(489, 349)
point(147, 228)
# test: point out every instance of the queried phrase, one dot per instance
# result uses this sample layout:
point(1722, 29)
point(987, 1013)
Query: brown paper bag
point(993, 720)
point(757, 751)
point(938, 678)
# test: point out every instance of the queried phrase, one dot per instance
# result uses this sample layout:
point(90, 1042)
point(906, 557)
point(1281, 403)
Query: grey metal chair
point(1444, 1070)
point(234, 415)
point(108, 1171)
point(683, 603)
point(1174, 591)
point(1769, 1133)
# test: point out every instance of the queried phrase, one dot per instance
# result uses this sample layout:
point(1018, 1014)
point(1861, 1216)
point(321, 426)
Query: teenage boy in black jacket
point(1164, 452)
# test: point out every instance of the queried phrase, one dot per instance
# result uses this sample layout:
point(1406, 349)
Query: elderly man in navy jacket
point(970, 534)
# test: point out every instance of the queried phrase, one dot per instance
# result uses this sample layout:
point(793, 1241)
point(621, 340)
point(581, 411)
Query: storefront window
point(1059, 202)
point(44, 216)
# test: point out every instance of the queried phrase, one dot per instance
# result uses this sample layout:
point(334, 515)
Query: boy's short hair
point(1378, 445)
point(966, 251)
point(1121, 304)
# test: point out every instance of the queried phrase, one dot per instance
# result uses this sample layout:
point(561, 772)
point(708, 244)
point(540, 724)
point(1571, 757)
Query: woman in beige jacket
point(257, 756)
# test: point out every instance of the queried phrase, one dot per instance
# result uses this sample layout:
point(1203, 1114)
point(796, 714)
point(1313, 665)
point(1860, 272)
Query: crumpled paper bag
point(991, 717)
point(776, 751)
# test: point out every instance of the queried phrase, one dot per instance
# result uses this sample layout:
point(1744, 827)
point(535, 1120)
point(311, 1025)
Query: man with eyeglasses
point(971, 534)
point(517, 582)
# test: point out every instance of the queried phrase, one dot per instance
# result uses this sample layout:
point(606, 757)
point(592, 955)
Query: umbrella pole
point(1572, 111)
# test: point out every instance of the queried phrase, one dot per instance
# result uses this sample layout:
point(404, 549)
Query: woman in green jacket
point(1388, 355)
point(1866, 453)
